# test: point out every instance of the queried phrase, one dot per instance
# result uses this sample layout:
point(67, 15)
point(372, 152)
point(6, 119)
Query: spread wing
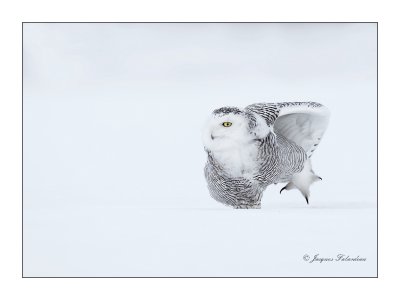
point(301, 122)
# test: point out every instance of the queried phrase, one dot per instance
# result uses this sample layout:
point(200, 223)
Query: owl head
point(230, 127)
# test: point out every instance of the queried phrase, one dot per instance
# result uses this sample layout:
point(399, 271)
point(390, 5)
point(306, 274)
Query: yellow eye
point(227, 124)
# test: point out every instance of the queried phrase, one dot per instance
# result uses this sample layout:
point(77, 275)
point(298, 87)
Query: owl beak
point(212, 137)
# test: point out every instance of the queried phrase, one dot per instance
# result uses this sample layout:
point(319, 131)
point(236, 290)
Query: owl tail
point(303, 180)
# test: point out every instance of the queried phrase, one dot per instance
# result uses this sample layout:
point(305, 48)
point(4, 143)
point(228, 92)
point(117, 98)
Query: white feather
point(303, 125)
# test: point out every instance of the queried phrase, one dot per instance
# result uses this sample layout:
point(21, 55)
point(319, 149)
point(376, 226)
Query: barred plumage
point(264, 143)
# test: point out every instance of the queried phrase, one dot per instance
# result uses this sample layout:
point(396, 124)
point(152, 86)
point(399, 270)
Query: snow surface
point(113, 157)
point(199, 241)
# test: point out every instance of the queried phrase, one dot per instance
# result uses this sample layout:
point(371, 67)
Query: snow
point(199, 241)
point(113, 157)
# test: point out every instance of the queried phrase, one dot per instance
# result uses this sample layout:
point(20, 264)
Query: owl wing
point(301, 122)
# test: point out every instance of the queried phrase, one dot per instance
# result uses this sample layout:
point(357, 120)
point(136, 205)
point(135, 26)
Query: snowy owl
point(264, 143)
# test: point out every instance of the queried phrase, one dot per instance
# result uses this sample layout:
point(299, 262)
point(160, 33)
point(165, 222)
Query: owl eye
point(227, 124)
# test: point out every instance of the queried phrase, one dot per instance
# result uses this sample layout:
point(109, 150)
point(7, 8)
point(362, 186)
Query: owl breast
point(239, 160)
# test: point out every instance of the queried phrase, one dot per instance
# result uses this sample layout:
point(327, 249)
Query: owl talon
point(284, 188)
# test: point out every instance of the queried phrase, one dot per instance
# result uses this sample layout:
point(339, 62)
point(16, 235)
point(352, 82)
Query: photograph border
point(377, 149)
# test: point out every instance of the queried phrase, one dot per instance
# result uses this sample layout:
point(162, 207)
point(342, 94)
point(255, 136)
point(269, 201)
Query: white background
point(123, 288)
point(113, 160)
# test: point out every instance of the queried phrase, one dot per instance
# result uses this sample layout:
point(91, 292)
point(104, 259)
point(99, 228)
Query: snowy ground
point(200, 241)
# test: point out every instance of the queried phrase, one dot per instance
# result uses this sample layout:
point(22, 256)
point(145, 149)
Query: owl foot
point(302, 181)
point(289, 186)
